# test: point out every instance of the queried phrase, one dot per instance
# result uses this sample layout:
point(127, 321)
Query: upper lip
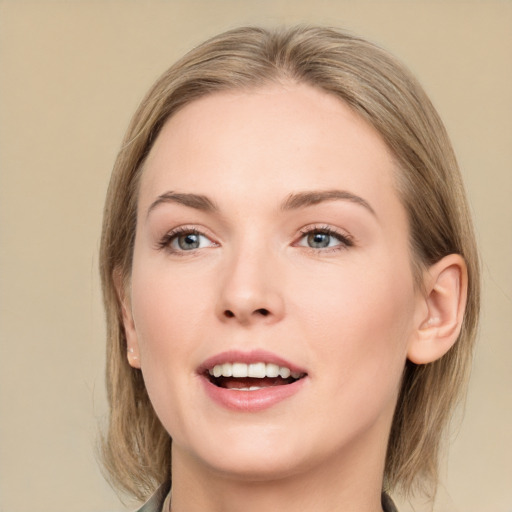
point(253, 356)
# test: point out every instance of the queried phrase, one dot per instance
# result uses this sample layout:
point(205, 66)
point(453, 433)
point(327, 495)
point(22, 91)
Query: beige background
point(72, 73)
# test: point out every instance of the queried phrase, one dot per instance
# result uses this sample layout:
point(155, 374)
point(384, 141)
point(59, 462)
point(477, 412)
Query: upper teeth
point(255, 370)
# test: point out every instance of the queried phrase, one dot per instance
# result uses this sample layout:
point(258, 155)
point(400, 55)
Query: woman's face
point(270, 241)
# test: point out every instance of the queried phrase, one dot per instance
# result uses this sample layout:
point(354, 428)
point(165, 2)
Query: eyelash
point(166, 241)
point(346, 241)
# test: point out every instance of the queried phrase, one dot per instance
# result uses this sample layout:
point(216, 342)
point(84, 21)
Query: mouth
point(239, 376)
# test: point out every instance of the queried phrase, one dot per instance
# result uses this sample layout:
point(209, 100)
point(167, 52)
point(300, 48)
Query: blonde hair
point(136, 448)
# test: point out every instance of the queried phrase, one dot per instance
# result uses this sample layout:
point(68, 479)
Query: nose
point(251, 291)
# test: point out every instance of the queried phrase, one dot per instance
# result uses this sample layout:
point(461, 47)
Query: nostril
point(261, 311)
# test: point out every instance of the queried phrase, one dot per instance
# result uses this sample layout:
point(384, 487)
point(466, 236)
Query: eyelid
point(346, 239)
point(165, 241)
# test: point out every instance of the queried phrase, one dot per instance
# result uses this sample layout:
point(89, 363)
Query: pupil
point(319, 240)
point(187, 242)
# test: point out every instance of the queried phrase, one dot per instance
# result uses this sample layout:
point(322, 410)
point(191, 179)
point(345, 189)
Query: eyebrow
point(197, 201)
point(310, 198)
point(292, 202)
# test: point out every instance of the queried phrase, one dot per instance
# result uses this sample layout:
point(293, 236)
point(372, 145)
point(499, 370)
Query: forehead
point(269, 141)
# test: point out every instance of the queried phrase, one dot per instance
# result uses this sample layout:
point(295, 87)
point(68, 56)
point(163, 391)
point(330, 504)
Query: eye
point(185, 240)
point(189, 241)
point(324, 238)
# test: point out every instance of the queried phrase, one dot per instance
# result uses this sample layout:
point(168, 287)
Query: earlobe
point(132, 345)
point(446, 285)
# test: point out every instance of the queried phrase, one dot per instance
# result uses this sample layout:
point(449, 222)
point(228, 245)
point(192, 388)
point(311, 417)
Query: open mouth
point(251, 377)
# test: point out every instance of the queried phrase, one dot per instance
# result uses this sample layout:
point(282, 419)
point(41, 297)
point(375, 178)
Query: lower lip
point(251, 401)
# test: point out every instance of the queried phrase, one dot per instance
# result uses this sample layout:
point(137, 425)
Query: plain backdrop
point(71, 75)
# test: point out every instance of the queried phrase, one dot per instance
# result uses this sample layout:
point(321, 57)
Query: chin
point(245, 456)
point(269, 468)
point(249, 455)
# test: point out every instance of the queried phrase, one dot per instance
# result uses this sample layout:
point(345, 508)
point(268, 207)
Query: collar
point(156, 502)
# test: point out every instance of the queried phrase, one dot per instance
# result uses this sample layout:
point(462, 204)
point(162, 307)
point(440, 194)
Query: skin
point(349, 314)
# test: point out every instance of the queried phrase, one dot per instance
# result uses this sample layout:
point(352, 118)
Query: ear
point(442, 310)
point(132, 344)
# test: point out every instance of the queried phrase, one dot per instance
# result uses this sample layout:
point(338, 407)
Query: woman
point(290, 278)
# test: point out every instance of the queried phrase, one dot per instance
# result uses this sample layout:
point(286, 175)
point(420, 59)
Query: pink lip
point(249, 401)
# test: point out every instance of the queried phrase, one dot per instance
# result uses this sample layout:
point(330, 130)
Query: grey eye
point(318, 240)
point(189, 241)
point(324, 238)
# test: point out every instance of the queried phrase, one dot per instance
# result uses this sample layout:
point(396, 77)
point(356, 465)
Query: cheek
point(169, 317)
point(165, 307)
point(360, 320)
point(168, 313)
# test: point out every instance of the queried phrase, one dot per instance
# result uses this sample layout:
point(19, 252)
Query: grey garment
point(156, 501)
point(387, 503)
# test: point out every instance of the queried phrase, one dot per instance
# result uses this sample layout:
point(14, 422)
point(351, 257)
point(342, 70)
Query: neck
point(352, 485)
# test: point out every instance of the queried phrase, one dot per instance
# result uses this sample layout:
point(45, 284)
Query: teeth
point(284, 372)
point(254, 370)
point(257, 370)
point(227, 370)
point(239, 370)
point(272, 370)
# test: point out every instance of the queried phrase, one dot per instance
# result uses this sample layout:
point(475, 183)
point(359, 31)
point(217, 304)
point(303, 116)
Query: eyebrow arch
point(310, 198)
point(197, 201)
